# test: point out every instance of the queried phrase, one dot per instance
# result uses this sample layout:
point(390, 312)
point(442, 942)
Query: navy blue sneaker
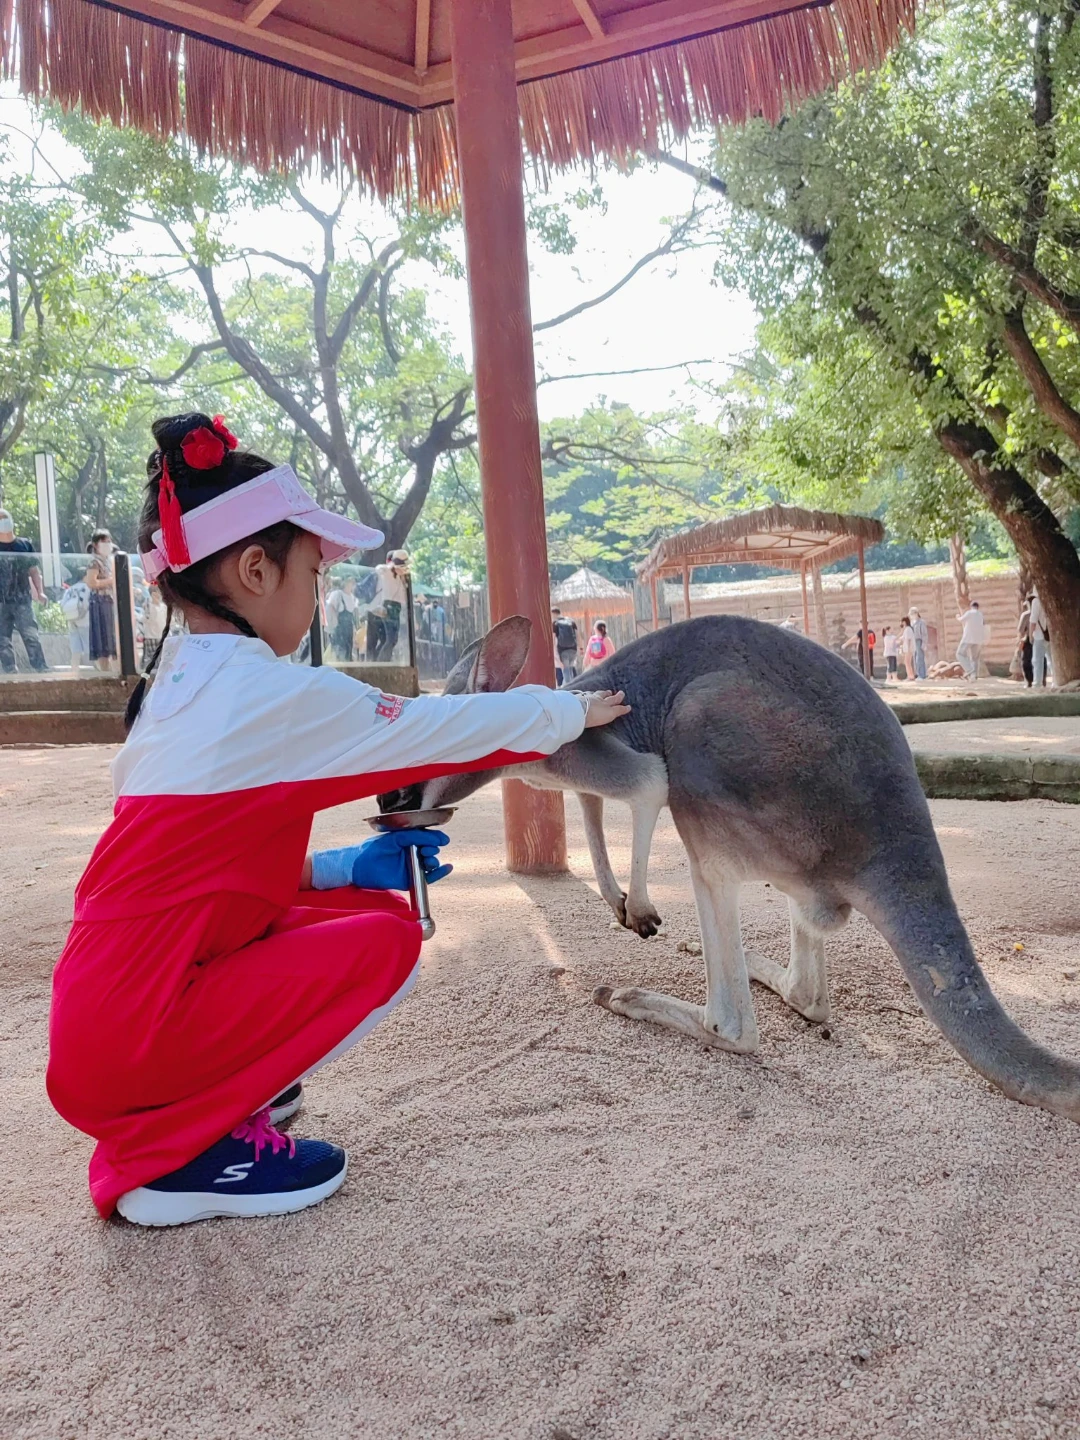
point(253, 1171)
point(287, 1104)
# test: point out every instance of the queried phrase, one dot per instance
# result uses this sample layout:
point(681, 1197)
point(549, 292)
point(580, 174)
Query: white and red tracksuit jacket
point(216, 789)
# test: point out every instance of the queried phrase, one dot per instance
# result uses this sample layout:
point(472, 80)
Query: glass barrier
point(82, 615)
point(365, 616)
point(72, 614)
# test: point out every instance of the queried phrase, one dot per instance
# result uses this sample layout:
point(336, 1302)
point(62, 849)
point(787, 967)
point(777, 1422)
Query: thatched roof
point(586, 585)
point(366, 88)
point(783, 536)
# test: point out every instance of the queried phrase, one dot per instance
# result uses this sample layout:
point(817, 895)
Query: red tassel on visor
point(173, 538)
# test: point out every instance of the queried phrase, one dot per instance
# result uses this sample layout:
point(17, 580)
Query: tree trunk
point(103, 489)
point(1040, 542)
point(958, 560)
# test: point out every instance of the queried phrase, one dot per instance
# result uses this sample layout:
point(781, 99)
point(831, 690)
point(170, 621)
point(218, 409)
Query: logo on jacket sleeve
point(389, 707)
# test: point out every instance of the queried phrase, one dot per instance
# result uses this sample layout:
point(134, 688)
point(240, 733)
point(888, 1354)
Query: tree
point(50, 284)
point(917, 236)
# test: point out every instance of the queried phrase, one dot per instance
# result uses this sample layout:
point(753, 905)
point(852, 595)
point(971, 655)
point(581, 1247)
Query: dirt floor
point(559, 1225)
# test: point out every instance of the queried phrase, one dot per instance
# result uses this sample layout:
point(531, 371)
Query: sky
point(669, 313)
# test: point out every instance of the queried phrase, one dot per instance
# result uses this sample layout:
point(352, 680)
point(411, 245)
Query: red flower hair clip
point(203, 449)
point(224, 434)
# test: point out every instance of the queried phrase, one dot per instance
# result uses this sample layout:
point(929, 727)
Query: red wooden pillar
point(805, 602)
point(655, 606)
point(862, 609)
point(493, 204)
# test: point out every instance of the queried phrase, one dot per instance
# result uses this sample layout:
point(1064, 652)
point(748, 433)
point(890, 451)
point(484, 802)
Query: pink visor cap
point(266, 500)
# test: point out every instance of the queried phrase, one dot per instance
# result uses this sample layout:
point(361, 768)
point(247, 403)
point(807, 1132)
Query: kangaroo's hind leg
point(727, 1018)
point(804, 982)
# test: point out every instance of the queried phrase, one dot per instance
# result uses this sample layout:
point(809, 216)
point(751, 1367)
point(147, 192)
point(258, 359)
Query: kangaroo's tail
point(904, 892)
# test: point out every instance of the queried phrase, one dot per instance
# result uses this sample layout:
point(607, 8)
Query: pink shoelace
point(258, 1131)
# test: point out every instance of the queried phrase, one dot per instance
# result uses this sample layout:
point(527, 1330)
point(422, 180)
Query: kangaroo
point(779, 763)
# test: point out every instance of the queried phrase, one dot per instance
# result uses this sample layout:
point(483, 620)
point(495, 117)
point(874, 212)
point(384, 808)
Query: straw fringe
point(846, 532)
point(117, 67)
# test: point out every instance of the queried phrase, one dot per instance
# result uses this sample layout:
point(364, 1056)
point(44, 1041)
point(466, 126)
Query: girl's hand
point(604, 707)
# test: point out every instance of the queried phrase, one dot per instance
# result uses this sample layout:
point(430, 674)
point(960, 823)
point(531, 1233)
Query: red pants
point(163, 1036)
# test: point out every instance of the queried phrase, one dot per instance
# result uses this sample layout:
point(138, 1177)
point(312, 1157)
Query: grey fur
point(779, 763)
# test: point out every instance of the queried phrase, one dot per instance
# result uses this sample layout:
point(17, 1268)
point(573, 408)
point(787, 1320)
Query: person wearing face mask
point(20, 584)
point(99, 577)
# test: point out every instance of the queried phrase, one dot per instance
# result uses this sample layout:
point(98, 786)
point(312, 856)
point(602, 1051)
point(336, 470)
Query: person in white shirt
point(1040, 640)
point(892, 651)
point(388, 606)
point(907, 647)
point(972, 640)
point(341, 608)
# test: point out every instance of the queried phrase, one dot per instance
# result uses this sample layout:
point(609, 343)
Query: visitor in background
point(437, 622)
point(892, 651)
point(972, 640)
point(1040, 640)
point(155, 617)
point(922, 642)
point(341, 608)
point(388, 605)
point(20, 586)
point(856, 642)
point(99, 577)
point(1023, 643)
point(907, 647)
point(566, 644)
point(599, 646)
point(75, 608)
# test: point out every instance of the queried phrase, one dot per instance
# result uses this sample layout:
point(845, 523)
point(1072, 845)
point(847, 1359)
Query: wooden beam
point(590, 19)
point(511, 478)
point(805, 604)
point(646, 28)
point(292, 44)
point(255, 13)
point(867, 668)
point(686, 591)
point(423, 36)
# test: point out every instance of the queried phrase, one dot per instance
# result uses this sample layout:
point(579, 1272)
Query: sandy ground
point(559, 1225)
point(1032, 735)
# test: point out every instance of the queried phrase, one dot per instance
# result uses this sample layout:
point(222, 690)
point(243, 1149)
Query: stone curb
point(999, 777)
point(984, 707)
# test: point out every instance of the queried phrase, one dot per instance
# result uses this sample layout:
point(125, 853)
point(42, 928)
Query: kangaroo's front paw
point(645, 922)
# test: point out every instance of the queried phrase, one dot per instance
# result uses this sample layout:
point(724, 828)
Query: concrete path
point(1034, 735)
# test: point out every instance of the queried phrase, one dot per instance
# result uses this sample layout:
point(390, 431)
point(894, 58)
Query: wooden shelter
point(783, 537)
point(588, 596)
point(432, 101)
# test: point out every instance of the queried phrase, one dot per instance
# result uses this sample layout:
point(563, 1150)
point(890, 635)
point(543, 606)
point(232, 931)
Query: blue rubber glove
point(381, 863)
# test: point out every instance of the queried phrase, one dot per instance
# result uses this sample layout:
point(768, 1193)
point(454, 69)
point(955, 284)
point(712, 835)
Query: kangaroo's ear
point(502, 655)
point(457, 682)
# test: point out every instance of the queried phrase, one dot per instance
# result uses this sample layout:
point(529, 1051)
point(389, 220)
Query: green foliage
point(867, 227)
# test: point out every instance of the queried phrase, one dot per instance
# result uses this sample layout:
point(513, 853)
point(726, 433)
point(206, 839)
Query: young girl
point(892, 651)
point(210, 966)
point(599, 647)
point(907, 647)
